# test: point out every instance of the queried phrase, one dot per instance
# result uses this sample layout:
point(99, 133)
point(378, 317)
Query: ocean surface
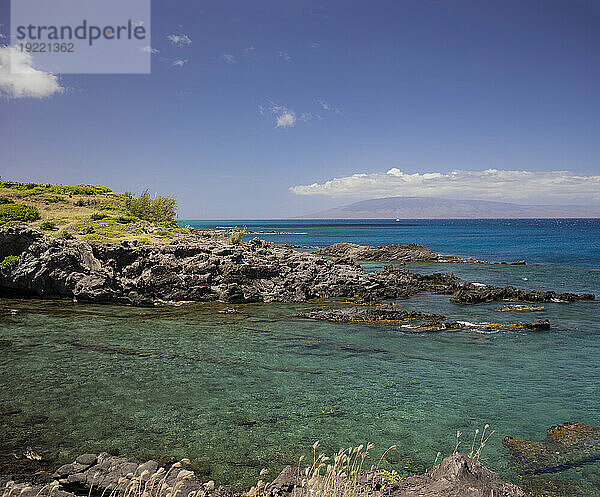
point(236, 393)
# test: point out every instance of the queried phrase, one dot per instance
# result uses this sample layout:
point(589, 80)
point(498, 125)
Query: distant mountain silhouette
point(438, 208)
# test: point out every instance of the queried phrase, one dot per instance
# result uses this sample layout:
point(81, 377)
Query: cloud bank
point(19, 79)
point(491, 184)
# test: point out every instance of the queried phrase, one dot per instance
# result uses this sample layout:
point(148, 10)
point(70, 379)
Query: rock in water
point(370, 314)
point(386, 253)
point(200, 270)
point(567, 445)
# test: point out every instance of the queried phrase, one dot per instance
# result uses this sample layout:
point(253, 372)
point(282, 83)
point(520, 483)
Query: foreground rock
point(116, 476)
point(456, 476)
point(204, 269)
point(380, 313)
point(567, 445)
point(395, 253)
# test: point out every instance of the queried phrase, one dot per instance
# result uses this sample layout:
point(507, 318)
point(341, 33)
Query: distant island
point(439, 208)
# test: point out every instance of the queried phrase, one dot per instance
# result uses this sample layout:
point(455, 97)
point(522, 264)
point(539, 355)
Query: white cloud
point(284, 117)
point(149, 49)
point(327, 106)
point(490, 184)
point(179, 40)
point(284, 55)
point(228, 58)
point(19, 79)
point(315, 44)
point(180, 62)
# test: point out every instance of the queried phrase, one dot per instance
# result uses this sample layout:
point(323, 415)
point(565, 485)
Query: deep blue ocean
point(239, 392)
point(569, 242)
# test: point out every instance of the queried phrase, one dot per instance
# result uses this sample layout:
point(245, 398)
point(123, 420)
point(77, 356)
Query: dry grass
point(343, 475)
point(82, 217)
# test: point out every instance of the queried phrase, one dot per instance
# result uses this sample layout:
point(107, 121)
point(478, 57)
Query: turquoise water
point(236, 393)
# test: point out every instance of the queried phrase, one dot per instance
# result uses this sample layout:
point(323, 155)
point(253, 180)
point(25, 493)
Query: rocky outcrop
point(567, 445)
point(380, 313)
point(203, 269)
point(475, 294)
point(387, 253)
point(456, 476)
point(390, 313)
point(398, 253)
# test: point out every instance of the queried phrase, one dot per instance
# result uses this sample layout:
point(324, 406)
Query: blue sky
point(336, 100)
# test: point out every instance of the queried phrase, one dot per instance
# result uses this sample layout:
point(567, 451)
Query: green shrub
point(110, 207)
point(60, 189)
point(4, 200)
point(158, 209)
point(66, 235)
point(52, 199)
point(48, 226)
point(126, 219)
point(18, 213)
point(236, 235)
point(8, 261)
point(96, 216)
point(87, 230)
point(166, 233)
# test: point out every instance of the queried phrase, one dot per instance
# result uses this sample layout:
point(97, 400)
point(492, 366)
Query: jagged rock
point(387, 253)
point(538, 324)
point(200, 269)
point(567, 445)
point(380, 313)
point(474, 294)
point(456, 476)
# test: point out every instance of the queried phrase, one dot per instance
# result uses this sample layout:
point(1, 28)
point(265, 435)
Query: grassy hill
point(91, 212)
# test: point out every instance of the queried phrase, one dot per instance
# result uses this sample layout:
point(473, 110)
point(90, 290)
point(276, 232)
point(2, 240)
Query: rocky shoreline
point(103, 474)
point(204, 268)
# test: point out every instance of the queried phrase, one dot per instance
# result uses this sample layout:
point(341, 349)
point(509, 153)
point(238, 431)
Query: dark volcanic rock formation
point(399, 253)
point(473, 294)
point(380, 313)
point(565, 446)
point(207, 269)
point(387, 253)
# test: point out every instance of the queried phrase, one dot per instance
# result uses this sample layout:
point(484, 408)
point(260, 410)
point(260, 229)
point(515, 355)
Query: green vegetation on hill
point(18, 213)
point(91, 212)
point(62, 189)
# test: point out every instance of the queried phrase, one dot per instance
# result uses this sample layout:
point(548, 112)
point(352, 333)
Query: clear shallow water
point(236, 393)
